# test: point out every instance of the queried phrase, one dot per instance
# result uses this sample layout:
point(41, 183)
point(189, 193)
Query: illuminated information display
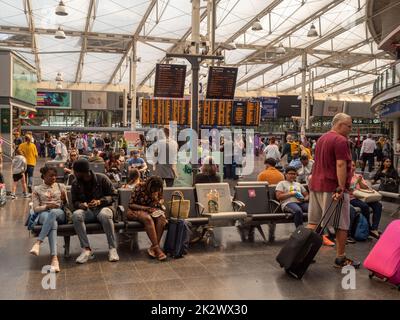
point(246, 113)
point(222, 113)
point(162, 111)
point(221, 83)
point(217, 113)
point(170, 80)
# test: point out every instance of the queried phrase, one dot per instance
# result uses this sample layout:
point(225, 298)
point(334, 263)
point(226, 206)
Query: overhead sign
point(217, 113)
point(332, 107)
point(170, 80)
point(162, 111)
point(221, 83)
point(269, 107)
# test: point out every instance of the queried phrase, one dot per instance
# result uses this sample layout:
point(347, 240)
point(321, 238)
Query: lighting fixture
point(312, 32)
point(60, 34)
point(256, 25)
point(60, 9)
point(280, 50)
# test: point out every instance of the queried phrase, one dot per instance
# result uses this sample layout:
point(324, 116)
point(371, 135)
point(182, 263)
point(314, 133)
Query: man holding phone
point(92, 197)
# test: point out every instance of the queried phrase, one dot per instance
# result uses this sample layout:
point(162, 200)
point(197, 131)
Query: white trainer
point(85, 256)
point(113, 255)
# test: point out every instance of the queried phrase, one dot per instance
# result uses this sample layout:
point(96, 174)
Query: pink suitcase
point(384, 259)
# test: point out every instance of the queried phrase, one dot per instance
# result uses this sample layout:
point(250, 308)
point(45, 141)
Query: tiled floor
point(235, 270)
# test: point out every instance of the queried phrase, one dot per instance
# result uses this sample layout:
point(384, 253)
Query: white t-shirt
point(286, 186)
point(272, 151)
point(61, 149)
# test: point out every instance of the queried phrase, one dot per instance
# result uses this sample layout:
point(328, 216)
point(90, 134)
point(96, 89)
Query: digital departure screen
point(246, 113)
point(217, 113)
point(162, 111)
point(170, 80)
point(221, 83)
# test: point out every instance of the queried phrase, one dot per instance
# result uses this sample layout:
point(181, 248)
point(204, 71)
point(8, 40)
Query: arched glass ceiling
point(99, 33)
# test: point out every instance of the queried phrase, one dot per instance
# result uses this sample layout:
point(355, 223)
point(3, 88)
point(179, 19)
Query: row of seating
point(254, 204)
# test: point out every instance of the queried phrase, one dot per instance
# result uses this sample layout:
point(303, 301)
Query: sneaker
point(26, 195)
point(374, 234)
point(35, 249)
point(113, 255)
point(343, 261)
point(350, 240)
point(13, 196)
point(327, 242)
point(85, 256)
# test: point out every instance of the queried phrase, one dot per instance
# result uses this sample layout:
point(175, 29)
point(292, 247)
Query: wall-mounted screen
point(24, 82)
point(221, 83)
point(170, 80)
point(52, 99)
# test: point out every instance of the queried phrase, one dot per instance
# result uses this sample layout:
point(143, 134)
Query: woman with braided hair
point(147, 206)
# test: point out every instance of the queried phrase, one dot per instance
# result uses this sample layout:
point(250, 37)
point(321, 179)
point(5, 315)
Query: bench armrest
point(238, 205)
point(199, 208)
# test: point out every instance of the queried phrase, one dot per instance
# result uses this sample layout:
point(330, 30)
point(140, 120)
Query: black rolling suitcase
point(299, 251)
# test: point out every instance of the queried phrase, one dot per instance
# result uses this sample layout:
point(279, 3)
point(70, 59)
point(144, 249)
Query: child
point(18, 169)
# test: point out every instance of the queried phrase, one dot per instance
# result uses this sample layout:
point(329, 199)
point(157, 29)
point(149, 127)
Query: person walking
point(29, 151)
point(330, 181)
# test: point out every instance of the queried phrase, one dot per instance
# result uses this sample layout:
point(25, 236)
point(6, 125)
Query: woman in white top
point(272, 150)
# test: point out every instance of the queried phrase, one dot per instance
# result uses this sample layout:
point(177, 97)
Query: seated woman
point(358, 183)
point(112, 167)
point(121, 156)
point(133, 179)
point(48, 199)
point(388, 177)
point(146, 206)
point(73, 155)
point(208, 172)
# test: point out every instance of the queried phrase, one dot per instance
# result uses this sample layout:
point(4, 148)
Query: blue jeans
point(376, 209)
point(103, 215)
point(29, 174)
point(49, 220)
point(297, 209)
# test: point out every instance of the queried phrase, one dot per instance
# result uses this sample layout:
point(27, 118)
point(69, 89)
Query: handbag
point(32, 219)
point(179, 208)
point(367, 195)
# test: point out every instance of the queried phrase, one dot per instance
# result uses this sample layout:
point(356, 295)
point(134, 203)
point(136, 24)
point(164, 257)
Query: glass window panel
point(12, 13)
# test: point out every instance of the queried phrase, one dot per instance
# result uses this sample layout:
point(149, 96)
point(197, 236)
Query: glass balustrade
point(387, 79)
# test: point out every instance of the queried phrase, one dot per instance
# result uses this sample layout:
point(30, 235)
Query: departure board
point(162, 111)
point(170, 80)
point(213, 112)
point(246, 113)
point(221, 83)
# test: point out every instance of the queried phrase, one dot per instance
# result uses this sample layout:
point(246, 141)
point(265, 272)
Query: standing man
point(289, 148)
point(166, 153)
point(331, 181)
point(367, 152)
point(29, 151)
point(61, 150)
point(92, 198)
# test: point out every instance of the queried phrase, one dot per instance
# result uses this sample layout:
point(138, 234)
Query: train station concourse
point(199, 151)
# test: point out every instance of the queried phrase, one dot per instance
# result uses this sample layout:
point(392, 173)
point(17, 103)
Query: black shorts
point(17, 177)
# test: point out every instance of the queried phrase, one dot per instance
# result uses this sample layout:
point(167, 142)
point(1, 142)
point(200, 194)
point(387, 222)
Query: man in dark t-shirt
point(330, 181)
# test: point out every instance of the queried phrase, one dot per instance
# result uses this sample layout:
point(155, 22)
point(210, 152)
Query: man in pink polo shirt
point(331, 176)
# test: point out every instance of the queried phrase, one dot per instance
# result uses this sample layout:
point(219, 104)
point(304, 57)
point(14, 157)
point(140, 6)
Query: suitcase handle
point(179, 195)
point(319, 229)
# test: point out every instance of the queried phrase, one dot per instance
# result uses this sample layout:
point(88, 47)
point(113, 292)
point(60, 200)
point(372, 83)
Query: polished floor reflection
point(234, 270)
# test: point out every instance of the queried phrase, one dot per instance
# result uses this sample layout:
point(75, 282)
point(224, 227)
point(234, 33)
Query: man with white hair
point(367, 152)
point(330, 181)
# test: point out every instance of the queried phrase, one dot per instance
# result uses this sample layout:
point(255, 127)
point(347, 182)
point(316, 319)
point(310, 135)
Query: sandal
point(151, 252)
point(162, 256)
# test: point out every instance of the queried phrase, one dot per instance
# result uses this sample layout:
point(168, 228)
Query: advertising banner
point(53, 99)
point(94, 100)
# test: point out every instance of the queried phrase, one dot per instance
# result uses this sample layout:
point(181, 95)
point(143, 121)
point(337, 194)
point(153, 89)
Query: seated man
point(96, 157)
point(135, 161)
point(293, 196)
point(270, 173)
point(295, 163)
point(304, 172)
point(92, 198)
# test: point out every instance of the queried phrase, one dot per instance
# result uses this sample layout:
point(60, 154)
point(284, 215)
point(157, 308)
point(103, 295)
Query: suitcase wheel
point(371, 275)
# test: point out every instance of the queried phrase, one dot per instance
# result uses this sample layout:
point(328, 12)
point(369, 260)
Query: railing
point(387, 79)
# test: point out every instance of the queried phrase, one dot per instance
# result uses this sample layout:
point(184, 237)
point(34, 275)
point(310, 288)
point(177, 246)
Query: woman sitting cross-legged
point(48, 199)
point(358, 183)
point(146, 206)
